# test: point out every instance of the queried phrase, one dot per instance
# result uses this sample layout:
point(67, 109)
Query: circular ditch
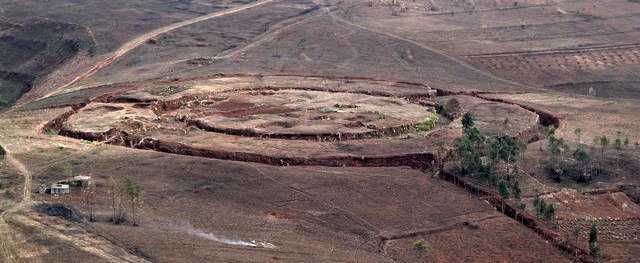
point(300, 114)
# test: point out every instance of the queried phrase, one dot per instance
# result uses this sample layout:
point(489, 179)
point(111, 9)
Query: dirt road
point(138, 41)
point(9, 243)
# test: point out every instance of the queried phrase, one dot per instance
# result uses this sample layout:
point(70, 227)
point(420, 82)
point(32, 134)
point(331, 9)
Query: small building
point(60, 189)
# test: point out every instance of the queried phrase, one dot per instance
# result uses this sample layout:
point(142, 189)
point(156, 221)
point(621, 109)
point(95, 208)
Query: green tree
point(507, 149)
point(557, 148)
point(503, 190)
point(594, 248)
point(470, 156)
point(134, 192)
point(516, 191)
point(468, 121)
point(584, 160)
point(549, 212)
point(468, 146)
point(604, 143)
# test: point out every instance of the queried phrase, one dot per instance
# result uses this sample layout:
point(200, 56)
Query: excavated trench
point(423, 161)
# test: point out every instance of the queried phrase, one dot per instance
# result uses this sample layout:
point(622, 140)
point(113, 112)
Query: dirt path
point(10, 249)
point(26, 187)
point(14, 248)
point(140, 40)
point(454, 59)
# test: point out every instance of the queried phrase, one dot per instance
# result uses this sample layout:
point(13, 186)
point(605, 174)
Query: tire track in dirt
point(270, 35)
point(140, 40)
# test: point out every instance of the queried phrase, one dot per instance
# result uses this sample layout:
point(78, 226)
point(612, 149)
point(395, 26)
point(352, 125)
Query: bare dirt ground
point(294, 130)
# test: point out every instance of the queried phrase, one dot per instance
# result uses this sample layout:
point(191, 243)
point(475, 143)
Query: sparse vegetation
point(544, 210)
point(134, 192)
point(3, 152)
point(419, 245)
point(51, 132)
point(118, 215)
point(428, 124)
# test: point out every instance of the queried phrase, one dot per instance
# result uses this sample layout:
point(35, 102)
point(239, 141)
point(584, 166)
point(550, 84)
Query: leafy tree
point(549, 212)
point(504, 192)
point(468, 121)
point(465, 148)
point(594, 248)
point(468, 146)
point(584, 159)
point(556, 148)
point(507, 149)
point(134, 192)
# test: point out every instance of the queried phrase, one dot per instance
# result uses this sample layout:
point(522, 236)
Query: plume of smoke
point(186, 227)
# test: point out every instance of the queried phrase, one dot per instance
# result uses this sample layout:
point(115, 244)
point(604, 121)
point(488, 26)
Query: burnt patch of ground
point(60, 210)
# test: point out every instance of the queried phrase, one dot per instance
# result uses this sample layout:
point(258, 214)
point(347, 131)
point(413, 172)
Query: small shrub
point(419, 245)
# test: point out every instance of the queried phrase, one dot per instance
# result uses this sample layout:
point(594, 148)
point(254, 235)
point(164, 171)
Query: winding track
point(138, 41)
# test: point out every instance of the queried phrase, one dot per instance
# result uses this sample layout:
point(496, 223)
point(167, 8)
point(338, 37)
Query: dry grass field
point(318, 130)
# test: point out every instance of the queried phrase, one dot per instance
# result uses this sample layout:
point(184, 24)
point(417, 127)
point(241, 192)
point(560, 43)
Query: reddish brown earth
point(293, 130)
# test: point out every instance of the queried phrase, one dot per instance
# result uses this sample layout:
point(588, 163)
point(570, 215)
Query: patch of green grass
point(428, 123)
point(51, 132)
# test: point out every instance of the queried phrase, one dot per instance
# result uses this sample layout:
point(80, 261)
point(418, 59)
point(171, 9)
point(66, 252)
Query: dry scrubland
point(315, 131)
